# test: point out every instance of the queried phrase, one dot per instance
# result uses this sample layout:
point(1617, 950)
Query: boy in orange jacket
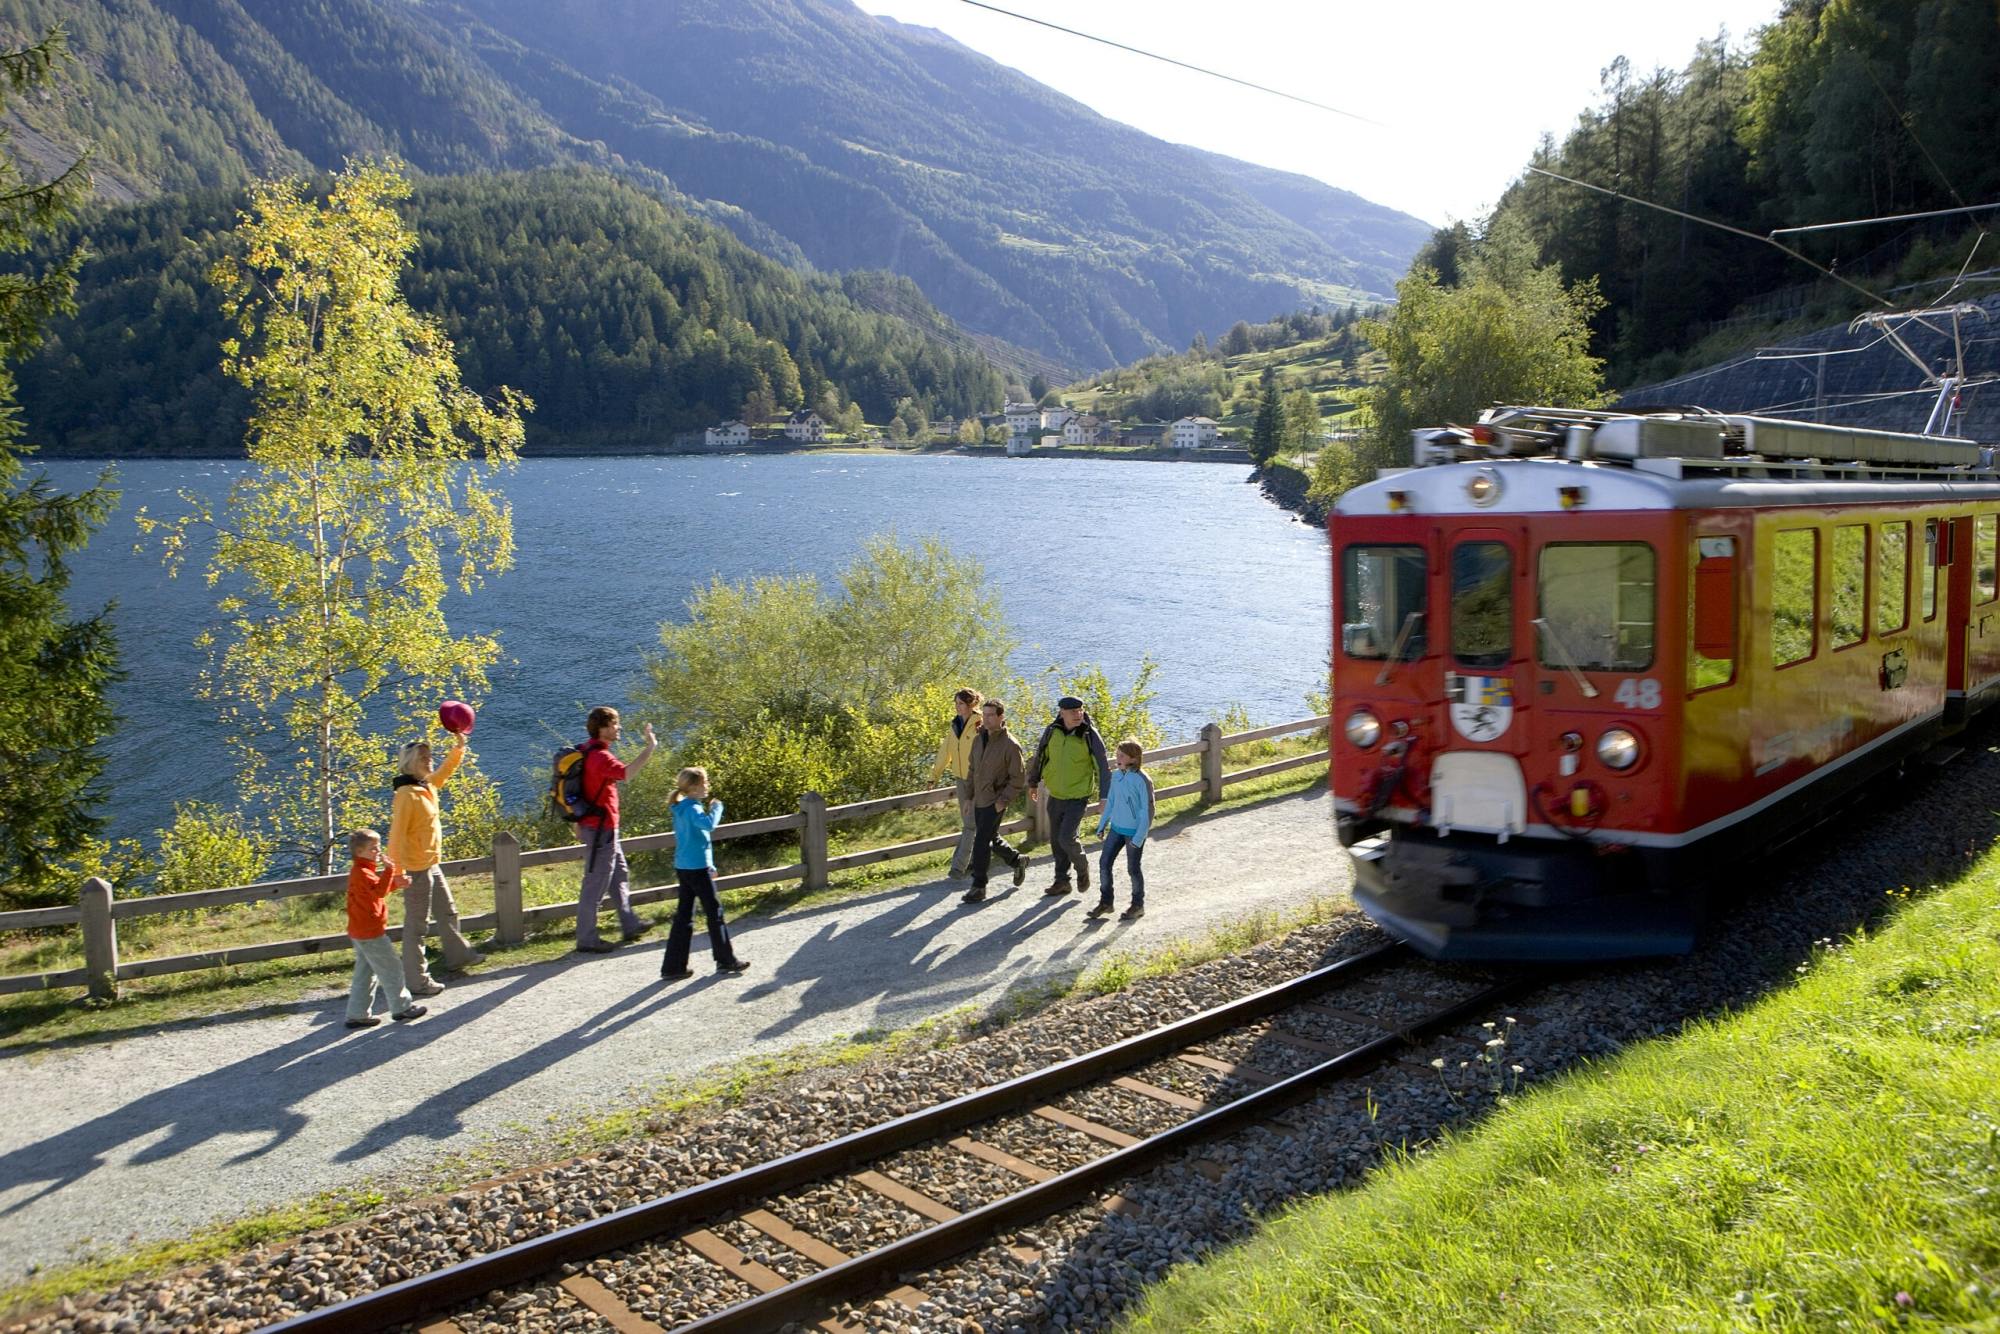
point(369, 881)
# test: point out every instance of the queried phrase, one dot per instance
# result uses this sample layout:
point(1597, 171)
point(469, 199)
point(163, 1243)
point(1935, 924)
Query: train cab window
point(1794, 595)
point(1927, 574)
point(1482, 604)
point(1711, 612)
point(1382, 602)
point(1985, 538)
point(1847, 612)
point(1597, 599)
point(1892, 577)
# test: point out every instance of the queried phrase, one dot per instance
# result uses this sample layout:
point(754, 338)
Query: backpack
point(566, 795)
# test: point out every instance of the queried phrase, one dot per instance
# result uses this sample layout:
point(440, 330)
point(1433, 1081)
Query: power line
point(1892, 217)
point(1708, 222)
point(1169, 60)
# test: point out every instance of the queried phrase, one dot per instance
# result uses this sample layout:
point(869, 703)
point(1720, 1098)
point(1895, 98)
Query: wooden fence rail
point(97, 913)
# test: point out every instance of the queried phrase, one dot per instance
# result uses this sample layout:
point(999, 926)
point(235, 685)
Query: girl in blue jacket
point(1128, 814)
point(695, 819)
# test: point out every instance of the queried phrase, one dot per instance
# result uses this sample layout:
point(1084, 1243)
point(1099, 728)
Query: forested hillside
point(625, 319)
point(1840, 109)
point(817, 132)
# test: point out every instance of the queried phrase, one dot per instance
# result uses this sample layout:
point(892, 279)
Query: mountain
point(625, 319)
point(817, 133)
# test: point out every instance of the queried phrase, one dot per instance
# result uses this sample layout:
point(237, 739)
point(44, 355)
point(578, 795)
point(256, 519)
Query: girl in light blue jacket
point(1128, 815)
point(695, 819)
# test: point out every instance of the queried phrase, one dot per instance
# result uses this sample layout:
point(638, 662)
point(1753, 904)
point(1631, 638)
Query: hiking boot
point(1020, 872)
point(733, 967)
point(1099, 910)
point(1133, 913)
point(631, 936)
point(596, 947)
point(977, 894)
point(429, 987)
point(679, 975)
point(469, 961)
point(1082, 876)
point(1059, 887)
point(365, 1021)
point(414, 1012)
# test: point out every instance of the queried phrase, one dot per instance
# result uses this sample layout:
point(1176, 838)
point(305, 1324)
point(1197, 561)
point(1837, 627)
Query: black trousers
point(696, 884)
point(1065, 819)
point(986, 841)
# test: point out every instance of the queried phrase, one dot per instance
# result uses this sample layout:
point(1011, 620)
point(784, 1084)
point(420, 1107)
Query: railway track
point(1174, 1087)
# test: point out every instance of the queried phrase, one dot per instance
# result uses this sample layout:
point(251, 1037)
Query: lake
point(1094, 561)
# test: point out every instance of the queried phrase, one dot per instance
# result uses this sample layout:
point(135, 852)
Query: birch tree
point(371, 492)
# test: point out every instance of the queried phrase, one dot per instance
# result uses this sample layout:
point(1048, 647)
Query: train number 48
point(1641, 694)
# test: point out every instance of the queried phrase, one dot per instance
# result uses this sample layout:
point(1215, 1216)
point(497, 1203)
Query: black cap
point(1069, 702)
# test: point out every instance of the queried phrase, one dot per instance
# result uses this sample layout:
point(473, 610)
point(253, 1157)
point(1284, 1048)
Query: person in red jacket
point(370, 880)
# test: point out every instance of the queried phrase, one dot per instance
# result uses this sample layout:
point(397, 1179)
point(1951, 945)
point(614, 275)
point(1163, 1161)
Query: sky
point(1460, 91)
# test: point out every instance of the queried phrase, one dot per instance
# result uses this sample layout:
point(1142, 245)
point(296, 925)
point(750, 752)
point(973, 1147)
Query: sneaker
point(1059, 887)
point(596, 947)
point(1099, 910)
point(365, 1021)
point(733, 967)
point(681, 975)
point(1020, 872)
point(1132, 914)
point(977, 894)
point(430, 987)
point(631, 936)
point(414, 1012)
point(474, 958)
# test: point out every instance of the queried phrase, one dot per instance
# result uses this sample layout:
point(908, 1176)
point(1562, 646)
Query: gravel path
point(148, 1137)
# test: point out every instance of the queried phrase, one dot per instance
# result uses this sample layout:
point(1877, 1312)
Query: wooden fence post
point(1211, 763)
point(812, 840)
point(508, 928)
point(100, 938)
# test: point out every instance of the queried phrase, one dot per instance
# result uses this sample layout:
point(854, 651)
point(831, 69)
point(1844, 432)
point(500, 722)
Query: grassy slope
point(1310, 365)
point(1829, 1158)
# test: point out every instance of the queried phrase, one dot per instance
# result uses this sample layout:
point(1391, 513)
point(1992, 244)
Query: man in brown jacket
point(998, 775)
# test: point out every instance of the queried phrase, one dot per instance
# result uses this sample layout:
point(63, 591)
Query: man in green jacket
point(1071, 763)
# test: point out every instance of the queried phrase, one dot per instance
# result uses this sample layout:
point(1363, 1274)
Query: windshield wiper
point(1564, 658)
point(1396, 653)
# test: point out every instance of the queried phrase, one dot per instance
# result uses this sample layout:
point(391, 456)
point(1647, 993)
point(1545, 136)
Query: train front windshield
point(1382, 602)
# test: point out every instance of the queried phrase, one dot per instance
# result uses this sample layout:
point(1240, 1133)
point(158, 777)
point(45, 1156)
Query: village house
point(805, 428)
point(1054, 419)
point(1144, 435)
point(729, 435)
point(1195, 433)
point(1089, 429)
point(1024, 423)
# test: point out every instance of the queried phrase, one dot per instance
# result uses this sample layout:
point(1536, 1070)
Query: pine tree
point(54, 669)
point(1265, 435)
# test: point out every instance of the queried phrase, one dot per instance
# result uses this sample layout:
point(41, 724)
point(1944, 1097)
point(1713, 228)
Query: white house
point(1054, 419)
point(1023, 419)
point(1085, 430)
point(805, 427)
point(1194, 433)
point(729, 435)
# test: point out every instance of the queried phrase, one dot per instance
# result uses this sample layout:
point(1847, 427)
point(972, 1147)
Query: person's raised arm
point(451, 761)
point(638, 762)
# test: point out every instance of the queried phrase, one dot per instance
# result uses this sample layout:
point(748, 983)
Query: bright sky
point(1462, 90)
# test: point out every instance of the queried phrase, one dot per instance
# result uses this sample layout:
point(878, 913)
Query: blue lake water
point(1093, 561)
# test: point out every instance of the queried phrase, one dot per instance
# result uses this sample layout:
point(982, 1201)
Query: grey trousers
point(376, 967)
point(427, 899)
point(1065, 818)
point(607, 874)
point(961, 856)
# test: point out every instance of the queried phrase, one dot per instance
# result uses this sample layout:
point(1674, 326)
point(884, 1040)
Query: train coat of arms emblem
point(1483, 707)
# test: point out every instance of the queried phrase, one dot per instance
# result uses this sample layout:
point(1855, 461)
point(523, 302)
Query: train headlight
point(1364, 729)
point(1483, 488)
point(1618, 749)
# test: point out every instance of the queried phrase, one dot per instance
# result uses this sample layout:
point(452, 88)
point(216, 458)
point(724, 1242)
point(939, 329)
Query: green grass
point(1829, 1158)
point(35, 1018)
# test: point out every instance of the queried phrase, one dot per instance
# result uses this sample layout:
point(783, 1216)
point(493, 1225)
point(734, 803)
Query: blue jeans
point(1113, 840)
point(697, 885)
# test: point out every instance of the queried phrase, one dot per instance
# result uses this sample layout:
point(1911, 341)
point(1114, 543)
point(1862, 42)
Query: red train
point(1582, 659)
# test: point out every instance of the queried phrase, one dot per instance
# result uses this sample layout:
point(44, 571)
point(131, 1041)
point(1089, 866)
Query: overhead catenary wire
point(1887, 217)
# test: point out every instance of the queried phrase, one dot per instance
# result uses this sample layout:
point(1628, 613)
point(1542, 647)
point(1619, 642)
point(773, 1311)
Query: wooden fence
point(97, 913)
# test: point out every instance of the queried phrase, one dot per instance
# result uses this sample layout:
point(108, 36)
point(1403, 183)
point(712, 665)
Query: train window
point(1847, 615)
point(1382, 602)
point(1892, 578)
point(1985, 537)
point(1712, 612)
point(1482, 604)
point(1794, 595)
point(1927, 574)
point(1597, 600)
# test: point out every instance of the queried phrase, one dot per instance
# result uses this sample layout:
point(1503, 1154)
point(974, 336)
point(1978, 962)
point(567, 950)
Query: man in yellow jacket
point(954, 757)
point(416, 843)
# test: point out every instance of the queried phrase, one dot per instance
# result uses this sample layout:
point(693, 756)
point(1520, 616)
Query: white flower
point(1437, 1063)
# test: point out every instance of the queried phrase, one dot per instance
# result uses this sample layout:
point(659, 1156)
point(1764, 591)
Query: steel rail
point(410, 1300)
point(816, 1293)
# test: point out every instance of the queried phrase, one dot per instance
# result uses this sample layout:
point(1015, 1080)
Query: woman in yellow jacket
point(416, 843)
